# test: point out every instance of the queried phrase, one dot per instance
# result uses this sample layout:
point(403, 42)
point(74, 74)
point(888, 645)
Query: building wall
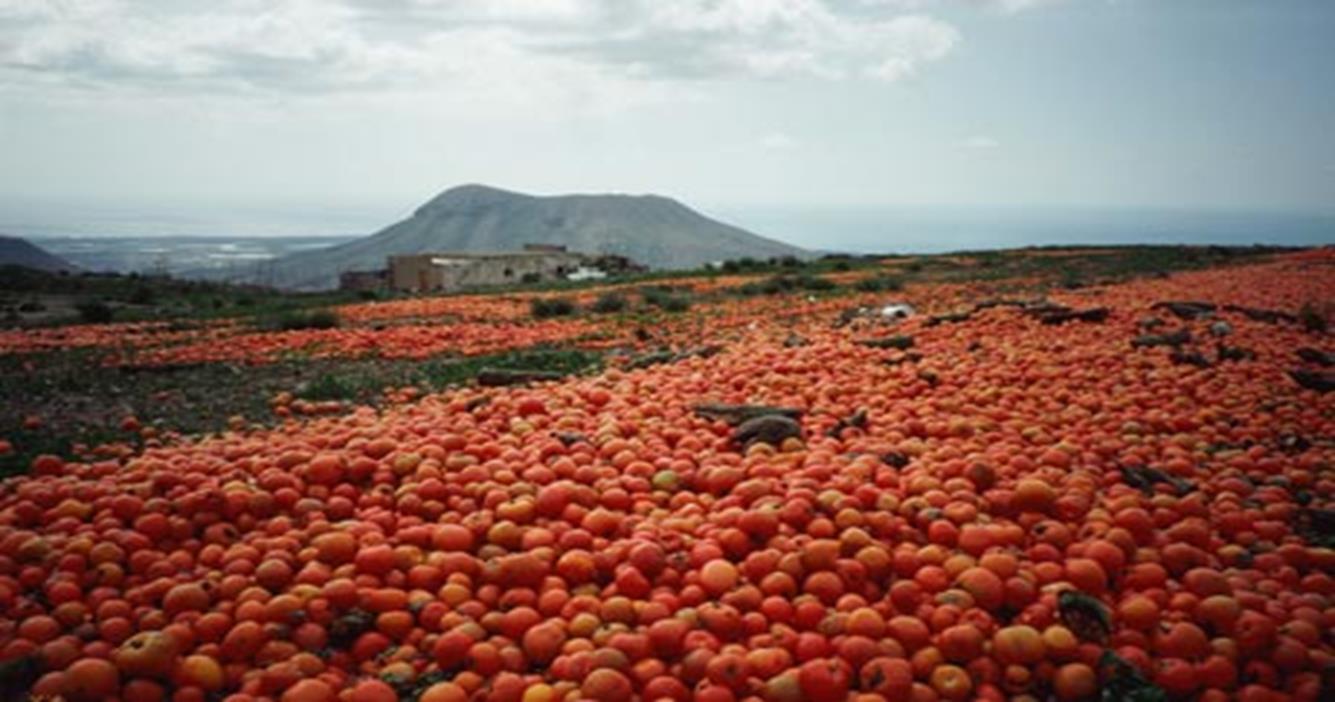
point(446, 272)
point(362, 280)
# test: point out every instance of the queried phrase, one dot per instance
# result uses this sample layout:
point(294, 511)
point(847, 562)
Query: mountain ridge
point(17, 251)
point(654, 230)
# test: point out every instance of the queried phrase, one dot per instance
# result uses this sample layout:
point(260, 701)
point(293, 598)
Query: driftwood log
point(738, 414)
point(1320, 382)
point(668, 356)
point(771, 429)
point(1176, 338)
point(1061, 316)
point(1187, 309)
point(856, 420)
point(1317, 356)
point(900, 342)
point(1261, 315)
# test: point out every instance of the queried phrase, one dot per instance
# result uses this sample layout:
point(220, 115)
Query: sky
point(226, 110)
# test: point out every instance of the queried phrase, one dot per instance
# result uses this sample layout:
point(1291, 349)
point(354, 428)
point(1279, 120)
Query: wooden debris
point(953, 318)
point(1191, 358)
point(1262, 315)
point(1062, 316)
point(569, 438)
point(737, 414)
point(1320, 382)
point(857, 420)
point(772, 429)
point(1311, 355)
point(669, 356)
point(1176, 338)
point(1233, 353)
point(900, 342)
point(1187, 309)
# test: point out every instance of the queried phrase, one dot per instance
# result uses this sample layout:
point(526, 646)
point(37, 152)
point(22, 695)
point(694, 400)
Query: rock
point(896, 311)
point(1221, 328)
point(771, 429)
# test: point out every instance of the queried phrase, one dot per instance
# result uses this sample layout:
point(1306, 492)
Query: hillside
point(656, 231)
point(16, 251)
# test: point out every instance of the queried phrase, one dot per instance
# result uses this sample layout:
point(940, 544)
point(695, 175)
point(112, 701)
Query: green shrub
point(609, 303)
point(546, 307)
point(142, 295)
point(328, 387)
point(675, 303)
point(879, 283)
point(95, 312)
point(298, 319)
point(1312, 319)
point(666, 298)
point(781, 284)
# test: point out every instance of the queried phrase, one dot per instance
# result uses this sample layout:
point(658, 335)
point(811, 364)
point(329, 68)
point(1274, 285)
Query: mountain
point(656, 231)
point(15, 251)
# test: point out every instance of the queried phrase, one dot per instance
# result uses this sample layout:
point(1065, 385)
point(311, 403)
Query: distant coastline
point(852, 229)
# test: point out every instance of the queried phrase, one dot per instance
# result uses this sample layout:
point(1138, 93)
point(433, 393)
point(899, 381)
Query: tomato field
point(1118, 490)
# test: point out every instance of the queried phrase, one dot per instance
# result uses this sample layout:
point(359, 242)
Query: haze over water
point(179, 243)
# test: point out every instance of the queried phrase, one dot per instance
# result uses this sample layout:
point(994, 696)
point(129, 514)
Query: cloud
point(314, 47)
point(979, 142)
point(1012, 6)
point(1001, 6)
point(778, 141)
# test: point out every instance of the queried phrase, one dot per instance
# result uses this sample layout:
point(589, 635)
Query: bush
point(879, 283)
point(1312, 319)
point(609, 303)
point(675, 303)
point(95, 312)
point(328, 387)
point(666, 299)
point(142, 295)
point(294, 320)
point(780, 284)
point(815, 283)
point(545, 307)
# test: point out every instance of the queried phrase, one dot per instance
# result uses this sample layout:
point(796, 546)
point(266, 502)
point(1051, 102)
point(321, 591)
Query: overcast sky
point(382, 103)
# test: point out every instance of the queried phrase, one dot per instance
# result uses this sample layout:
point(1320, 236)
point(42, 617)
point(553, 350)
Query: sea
point(179, 246)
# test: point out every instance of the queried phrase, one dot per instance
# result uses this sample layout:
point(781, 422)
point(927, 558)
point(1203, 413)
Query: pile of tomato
point(598, 538)
point(416, 341)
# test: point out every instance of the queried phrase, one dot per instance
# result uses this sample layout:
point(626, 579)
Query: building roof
point(484, 255)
